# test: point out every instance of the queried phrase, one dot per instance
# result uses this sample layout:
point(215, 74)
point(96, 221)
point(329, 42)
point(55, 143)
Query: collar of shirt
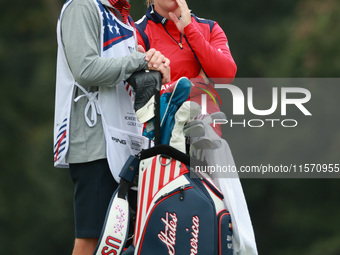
point(123, 7)
point(155, 16)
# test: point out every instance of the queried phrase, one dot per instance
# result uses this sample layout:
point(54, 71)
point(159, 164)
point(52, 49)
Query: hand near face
point(184, 14)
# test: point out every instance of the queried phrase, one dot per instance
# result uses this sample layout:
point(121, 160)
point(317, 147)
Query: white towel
point(230, 185)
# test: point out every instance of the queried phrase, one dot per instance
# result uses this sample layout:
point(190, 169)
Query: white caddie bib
point(115, 103)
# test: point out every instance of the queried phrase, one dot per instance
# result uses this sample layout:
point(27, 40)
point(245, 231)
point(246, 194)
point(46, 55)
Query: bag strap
point(128, 176)
point(144, 37)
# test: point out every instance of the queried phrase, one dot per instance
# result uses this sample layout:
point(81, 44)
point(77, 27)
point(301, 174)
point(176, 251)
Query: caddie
point(95, 127)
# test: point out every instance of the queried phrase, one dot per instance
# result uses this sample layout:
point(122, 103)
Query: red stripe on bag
point(161, 175)
point(173, 170)
point(151, 183)
point(139, 211)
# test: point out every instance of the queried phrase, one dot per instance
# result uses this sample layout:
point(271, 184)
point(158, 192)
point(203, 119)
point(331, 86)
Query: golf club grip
point(157, 92)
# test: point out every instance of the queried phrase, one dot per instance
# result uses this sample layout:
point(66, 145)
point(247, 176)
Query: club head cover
point(194, 128)
point(183, 115)
point(144, 83)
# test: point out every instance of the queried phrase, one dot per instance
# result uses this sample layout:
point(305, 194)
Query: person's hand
point(185, 16)
point(140, 48)
point(157, 61)
point(166, 73)
point(205, 78)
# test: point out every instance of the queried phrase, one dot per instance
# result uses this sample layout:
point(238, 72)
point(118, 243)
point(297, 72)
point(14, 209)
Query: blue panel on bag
point(130, 168)
point(183, 222)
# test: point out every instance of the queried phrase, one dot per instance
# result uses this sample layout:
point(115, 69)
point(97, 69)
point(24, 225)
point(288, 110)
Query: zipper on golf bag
point(225, 246)
point(179, 190)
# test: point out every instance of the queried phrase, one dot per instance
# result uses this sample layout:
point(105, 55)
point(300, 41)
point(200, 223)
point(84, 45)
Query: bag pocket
point(120, 145)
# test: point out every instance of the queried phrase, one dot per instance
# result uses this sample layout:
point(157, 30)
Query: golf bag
point(179, 211)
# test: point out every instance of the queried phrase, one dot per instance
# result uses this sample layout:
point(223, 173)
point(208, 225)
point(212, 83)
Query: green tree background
point(291, 38)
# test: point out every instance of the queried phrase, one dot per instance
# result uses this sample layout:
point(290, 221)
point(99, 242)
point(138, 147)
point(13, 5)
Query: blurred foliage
point(291, 38)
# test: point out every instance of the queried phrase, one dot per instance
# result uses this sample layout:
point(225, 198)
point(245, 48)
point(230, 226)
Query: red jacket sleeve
point(213, 53)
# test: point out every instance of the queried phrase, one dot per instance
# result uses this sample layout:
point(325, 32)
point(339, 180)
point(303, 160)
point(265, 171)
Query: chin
point(173, 6)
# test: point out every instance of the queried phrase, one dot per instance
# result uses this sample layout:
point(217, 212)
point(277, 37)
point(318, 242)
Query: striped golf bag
point(179, 211)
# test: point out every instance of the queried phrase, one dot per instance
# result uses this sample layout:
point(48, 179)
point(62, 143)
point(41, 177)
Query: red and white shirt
point(203, 38)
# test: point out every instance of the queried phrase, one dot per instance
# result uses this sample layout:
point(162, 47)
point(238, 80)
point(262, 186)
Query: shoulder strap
point(144, 37)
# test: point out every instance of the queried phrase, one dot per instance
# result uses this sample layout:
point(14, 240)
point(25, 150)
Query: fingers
point(179, 24)
point(165, 71)
point(155, 59)
point(205, 78)
point(166, 74)
point(173, 17)
point(141, 49)
point(185, 16)
point(182, 4)
point(167, 62)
